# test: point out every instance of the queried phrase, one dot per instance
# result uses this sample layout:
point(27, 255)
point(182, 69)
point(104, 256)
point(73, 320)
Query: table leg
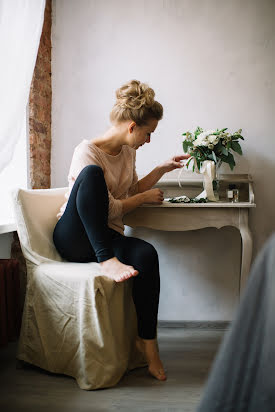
point(246, 247)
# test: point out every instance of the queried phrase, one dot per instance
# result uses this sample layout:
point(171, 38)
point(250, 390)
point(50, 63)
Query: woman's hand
point(174, 163)
point(153, 196)
point(147, 182)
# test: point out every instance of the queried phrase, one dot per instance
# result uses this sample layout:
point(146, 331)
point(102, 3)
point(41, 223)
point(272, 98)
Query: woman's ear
point(131, 127)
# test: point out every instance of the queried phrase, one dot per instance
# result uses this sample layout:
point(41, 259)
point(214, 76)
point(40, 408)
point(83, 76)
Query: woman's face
point(142, 134)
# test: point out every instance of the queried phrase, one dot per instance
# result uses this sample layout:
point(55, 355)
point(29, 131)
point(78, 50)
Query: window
point(14, 175)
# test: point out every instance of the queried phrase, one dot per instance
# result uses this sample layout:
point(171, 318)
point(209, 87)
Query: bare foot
point(150, 349)
point(114, 269)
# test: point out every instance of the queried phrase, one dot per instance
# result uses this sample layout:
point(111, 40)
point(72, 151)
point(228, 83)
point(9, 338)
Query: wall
point(211, 64)
point(40, 109)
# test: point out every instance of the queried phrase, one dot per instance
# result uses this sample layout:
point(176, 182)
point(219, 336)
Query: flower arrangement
point(213, 145)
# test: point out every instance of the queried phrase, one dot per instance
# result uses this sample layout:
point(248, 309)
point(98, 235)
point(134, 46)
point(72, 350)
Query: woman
point(103, 186)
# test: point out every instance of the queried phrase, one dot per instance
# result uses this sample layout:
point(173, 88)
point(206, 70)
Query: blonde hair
point(136, 101)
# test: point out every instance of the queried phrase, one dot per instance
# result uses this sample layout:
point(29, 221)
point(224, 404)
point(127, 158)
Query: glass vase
point(216, 181)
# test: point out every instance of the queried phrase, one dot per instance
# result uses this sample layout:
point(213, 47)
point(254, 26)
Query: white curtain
point(21, 24)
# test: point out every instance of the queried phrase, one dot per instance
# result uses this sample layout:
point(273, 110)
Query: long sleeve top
point(119, 172)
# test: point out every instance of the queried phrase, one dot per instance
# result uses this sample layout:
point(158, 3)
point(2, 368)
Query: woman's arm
point(153, 177)
point(148, 181)
point(149, 196)
point(144, 191)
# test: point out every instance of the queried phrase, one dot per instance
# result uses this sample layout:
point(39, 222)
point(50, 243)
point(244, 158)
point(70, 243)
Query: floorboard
point(187, 355)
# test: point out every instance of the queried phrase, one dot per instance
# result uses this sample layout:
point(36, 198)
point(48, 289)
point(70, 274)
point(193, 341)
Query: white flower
point(214, 139)
point(202, 135)
point(206, 138)
point(200, 141)
point(211, 138)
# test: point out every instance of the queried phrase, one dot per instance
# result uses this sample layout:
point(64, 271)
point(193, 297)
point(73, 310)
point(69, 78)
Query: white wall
point(211, 63)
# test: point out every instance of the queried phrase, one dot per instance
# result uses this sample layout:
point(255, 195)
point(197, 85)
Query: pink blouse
point(119, 172)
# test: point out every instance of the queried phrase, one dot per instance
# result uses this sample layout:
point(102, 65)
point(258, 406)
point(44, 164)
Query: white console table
point(191, 216)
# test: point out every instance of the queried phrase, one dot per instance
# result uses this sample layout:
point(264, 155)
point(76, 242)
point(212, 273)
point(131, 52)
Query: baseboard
point(216, 325)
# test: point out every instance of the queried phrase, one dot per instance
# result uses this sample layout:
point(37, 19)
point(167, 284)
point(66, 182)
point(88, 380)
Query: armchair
point(75, 321)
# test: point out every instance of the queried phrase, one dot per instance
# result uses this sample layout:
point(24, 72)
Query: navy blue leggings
point(82, 235)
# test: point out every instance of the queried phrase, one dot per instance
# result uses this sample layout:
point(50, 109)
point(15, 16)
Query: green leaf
point(228, 159)
point(224, 150)
point(198, 161)
point(198, 131)
point(224, 158)
point(236, 147)
point(185, 145)
point(214, 156)
point(220, 131)
point(214, 184)
point(218, 147)
point(237, 136)
point(231, 161)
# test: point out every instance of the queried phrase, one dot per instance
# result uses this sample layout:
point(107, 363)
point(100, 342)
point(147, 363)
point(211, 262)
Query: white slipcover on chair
point(76, 321)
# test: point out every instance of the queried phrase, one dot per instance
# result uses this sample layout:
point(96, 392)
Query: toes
point(162, 378)
point(158, 374)
point(133, 271)
point(126, 275)
point(123, 276)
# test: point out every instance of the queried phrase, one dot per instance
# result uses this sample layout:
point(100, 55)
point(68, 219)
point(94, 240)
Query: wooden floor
point(186, 353)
